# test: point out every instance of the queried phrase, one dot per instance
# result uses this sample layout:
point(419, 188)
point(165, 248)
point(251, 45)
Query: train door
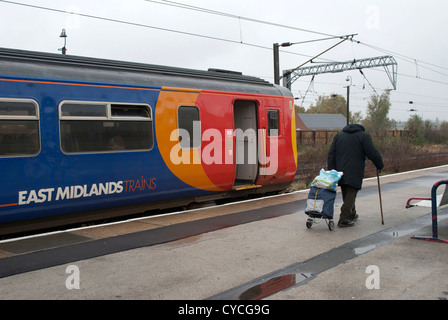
point(245, 117)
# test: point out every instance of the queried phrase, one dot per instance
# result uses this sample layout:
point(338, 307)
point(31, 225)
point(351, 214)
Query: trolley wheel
point(331, 225)
point(309, 224)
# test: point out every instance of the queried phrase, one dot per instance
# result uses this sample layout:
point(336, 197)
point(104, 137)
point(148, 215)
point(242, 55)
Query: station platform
point(257, 249)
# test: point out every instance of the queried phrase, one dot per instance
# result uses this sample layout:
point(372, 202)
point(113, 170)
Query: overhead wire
point(368, 82)
point(405, 58)
point(121, 21)
point(220, 13)
point(215, 12)
point(149, 26)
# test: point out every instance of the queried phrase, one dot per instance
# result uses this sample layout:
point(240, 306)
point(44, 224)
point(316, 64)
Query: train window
point(273, 123)
point(83, 110)
point(19, 128)
point(105, 127)
point(189, 126)
point(130, 111)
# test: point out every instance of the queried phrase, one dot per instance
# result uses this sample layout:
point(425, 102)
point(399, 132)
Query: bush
point(399, 153)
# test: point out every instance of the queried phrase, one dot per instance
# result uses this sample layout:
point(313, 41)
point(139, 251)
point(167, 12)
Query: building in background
point(319, 121)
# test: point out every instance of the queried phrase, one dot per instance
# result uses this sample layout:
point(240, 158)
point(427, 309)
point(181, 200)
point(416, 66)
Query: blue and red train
point(83, 138)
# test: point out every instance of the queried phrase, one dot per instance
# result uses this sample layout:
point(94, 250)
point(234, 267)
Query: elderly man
point(348, 153)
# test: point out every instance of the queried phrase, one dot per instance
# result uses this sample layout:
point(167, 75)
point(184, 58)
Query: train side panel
point(60, 177)
point(56, 182)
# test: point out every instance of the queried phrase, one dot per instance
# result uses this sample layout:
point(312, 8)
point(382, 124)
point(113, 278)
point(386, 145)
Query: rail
point(435, 236)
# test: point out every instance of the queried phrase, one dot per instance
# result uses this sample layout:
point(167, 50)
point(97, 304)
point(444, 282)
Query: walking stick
point(379, 193)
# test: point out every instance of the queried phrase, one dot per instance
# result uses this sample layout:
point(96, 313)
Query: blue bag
point(321, 201)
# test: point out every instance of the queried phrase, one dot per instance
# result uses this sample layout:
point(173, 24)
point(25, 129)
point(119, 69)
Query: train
point(83, 139)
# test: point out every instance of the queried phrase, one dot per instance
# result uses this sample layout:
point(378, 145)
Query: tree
point(443, 126)
point(333, 104)
point(415, 127)
point(299, 109)
point(356, 117)
point(377, 113)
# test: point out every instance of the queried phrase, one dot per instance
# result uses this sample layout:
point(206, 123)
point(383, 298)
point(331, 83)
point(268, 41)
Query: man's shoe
point(346, 223)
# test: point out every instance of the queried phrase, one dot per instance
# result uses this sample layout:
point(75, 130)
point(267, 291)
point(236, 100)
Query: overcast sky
point(161, 32)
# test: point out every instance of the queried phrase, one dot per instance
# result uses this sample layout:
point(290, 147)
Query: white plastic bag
point(327, 179)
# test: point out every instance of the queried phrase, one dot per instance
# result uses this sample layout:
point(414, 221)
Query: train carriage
point(83, 138)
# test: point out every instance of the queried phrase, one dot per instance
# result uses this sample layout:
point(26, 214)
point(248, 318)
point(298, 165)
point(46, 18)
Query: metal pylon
point(388, 62)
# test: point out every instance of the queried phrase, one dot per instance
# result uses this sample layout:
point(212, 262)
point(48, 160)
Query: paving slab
point(234, 257)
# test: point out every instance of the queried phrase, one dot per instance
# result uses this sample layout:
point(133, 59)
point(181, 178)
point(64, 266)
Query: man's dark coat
point(348, 153)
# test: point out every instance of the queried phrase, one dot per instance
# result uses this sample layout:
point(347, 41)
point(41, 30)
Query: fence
point(319, 137)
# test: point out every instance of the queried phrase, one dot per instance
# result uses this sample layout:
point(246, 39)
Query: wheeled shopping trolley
point(320, 206)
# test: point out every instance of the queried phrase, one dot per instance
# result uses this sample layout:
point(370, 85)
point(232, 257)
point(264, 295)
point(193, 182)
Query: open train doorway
point(245, 117)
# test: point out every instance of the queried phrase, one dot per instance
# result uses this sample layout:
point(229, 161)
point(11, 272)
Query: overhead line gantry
point(388, 62)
